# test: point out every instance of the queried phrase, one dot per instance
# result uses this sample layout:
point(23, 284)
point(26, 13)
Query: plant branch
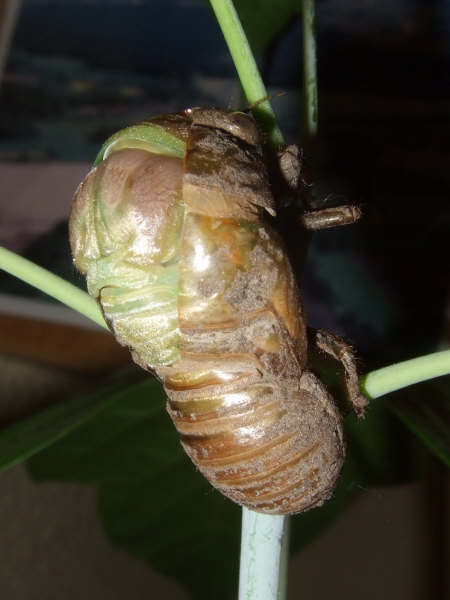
point(310, 101)
point(51, 284)
point(246, 66)
point(394, 377)
point(264, 556)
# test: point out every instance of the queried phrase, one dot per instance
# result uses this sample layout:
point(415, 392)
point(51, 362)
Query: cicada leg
point(342, 352)
point(325, 218)
point(290, 162)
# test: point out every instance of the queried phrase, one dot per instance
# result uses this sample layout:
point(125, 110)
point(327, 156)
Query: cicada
point(174, 230)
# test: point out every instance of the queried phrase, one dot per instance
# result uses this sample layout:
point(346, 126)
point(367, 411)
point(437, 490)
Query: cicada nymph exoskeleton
point(170, 229)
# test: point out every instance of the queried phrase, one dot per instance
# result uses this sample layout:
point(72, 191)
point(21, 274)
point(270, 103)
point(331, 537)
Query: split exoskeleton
point(170, 230)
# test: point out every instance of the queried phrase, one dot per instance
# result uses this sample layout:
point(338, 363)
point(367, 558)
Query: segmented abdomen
point(245, 413)
point(256, 446)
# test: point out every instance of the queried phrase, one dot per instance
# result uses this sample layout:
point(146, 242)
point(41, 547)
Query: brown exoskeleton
point(170, 230)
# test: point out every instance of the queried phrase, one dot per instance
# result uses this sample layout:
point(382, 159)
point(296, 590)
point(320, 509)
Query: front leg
point(290, 162)
point(325, 218)
point(343, 353)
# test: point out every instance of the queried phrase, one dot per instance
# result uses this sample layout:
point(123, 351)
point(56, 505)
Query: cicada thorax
point(190, 276)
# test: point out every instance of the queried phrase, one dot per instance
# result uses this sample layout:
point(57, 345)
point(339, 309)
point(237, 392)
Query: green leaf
point(152, 500)
point(383, 451)
point(262, 20)
point(23, 440)
point(180, 525)
point(425, 410)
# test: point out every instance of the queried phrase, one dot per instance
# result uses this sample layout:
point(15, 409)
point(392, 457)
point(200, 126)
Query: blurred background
point(72, 73)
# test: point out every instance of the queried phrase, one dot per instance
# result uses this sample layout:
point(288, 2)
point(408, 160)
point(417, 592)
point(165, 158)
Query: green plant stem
point(246, 66)
point(310, 101)
point(51, 284)
point(264, 556)
point(400, 375)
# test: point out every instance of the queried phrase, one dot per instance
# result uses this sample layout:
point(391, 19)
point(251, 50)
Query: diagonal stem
point(51, 284)
point(246, 66)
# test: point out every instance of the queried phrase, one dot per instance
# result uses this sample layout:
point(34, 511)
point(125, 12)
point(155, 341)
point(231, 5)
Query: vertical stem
point(264, 553)
point(310, 102)
point(284, 559)
point(265, 539)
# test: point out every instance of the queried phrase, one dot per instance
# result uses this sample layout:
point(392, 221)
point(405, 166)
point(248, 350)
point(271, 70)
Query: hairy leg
point(290, 160)
point(337, 348)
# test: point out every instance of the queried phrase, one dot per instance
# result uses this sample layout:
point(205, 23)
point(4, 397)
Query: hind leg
point(338, 349)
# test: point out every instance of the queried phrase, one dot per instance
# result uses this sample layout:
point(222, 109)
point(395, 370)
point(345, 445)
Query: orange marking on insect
point(226, 240)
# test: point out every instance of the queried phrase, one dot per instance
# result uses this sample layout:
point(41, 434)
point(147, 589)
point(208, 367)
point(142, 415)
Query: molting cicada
point(172, 230)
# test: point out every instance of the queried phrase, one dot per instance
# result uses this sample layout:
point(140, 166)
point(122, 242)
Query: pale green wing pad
point(150, 137)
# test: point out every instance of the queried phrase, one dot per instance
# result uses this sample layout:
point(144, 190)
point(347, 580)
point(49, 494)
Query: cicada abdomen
point(170, 229)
